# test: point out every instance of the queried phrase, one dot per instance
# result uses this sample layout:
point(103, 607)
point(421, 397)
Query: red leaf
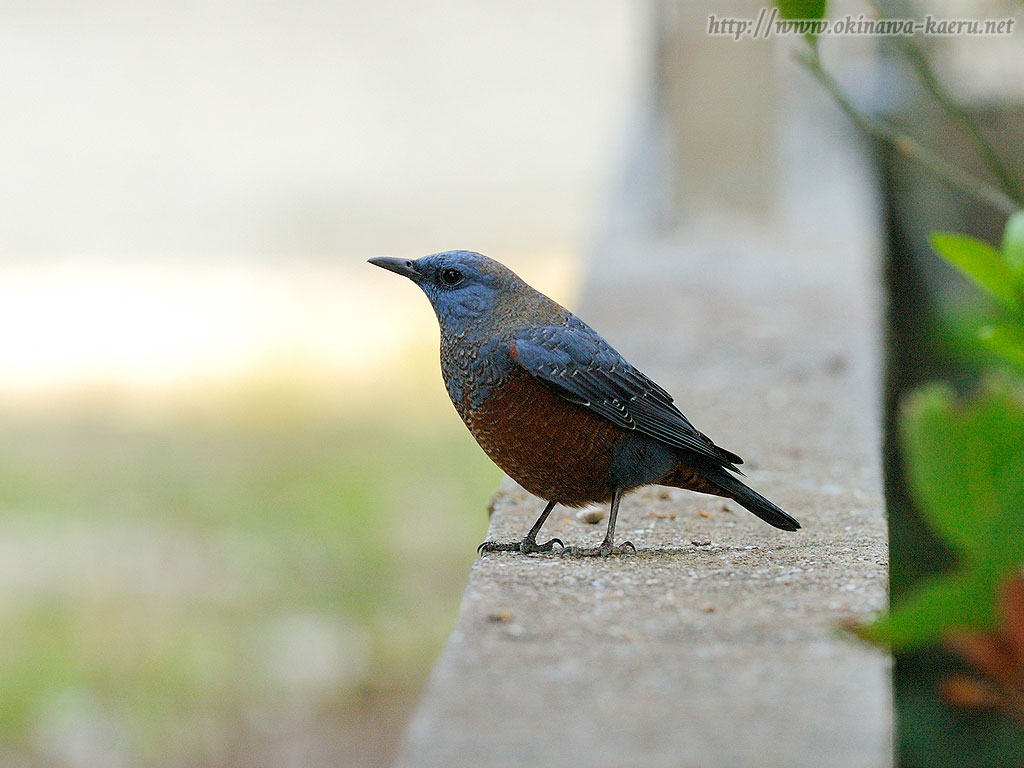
point(1012, 606)
point(968, 693)
point(988, 653)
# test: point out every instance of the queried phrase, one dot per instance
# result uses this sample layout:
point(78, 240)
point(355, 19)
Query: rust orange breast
point(555, 449)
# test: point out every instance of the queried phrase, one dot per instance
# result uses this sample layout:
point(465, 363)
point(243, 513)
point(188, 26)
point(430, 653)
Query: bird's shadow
point(680, 551)
point(666, 551)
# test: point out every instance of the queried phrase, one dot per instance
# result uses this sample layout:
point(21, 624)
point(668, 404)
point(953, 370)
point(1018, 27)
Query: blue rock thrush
point(553, 405)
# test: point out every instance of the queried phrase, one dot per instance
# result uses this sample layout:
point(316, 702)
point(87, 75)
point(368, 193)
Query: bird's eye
point(451, 277)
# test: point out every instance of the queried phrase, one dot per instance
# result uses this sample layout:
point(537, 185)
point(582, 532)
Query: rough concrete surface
point(717, 643)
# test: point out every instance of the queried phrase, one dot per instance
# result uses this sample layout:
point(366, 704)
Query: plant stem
point(907, 145)
point(945, 99)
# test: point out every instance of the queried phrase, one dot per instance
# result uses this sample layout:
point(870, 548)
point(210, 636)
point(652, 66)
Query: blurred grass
point(188, 586)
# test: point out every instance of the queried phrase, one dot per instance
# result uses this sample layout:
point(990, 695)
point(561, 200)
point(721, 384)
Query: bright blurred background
point(236, 508)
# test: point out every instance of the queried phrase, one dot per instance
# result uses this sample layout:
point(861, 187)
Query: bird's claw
point(497, 546)
point(526, 546)
point(604, 550)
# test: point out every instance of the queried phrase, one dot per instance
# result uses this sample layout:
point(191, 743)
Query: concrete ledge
point(716, 644)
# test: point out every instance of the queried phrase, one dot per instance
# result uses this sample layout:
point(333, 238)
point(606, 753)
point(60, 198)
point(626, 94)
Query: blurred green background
point(232, 576)
point(237, 510)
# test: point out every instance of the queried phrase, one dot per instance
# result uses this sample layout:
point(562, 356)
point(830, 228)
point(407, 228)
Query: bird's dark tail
point(734, 489)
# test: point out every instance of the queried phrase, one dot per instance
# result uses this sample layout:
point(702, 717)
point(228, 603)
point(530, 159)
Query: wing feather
point(580, 366)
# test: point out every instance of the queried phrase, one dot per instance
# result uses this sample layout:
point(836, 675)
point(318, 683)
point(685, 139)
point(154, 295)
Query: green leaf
point(1013, 243)
point(801, 9)
point(1006, 340)
point(958, 335)
point(965, 465)
point(980, 262)
point(937, 606)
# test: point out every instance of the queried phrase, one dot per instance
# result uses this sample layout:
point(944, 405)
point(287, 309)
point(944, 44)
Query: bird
point(556, 407)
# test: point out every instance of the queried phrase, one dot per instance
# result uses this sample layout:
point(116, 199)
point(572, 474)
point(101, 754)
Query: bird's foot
point(526, 546)
point(604, 550)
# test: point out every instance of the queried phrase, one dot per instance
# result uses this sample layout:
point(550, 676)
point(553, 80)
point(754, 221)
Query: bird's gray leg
point(531, 537)
point(529, 543)
point(607, 546)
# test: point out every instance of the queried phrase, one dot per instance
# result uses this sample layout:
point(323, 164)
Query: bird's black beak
point(404, 267)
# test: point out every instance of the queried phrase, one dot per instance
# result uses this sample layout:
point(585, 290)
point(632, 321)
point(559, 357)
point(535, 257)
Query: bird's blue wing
point(580, 366)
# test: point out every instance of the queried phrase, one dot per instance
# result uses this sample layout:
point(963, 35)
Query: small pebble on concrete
point(591, 515)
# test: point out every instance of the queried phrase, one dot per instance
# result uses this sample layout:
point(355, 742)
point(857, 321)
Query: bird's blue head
point(462, 286)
